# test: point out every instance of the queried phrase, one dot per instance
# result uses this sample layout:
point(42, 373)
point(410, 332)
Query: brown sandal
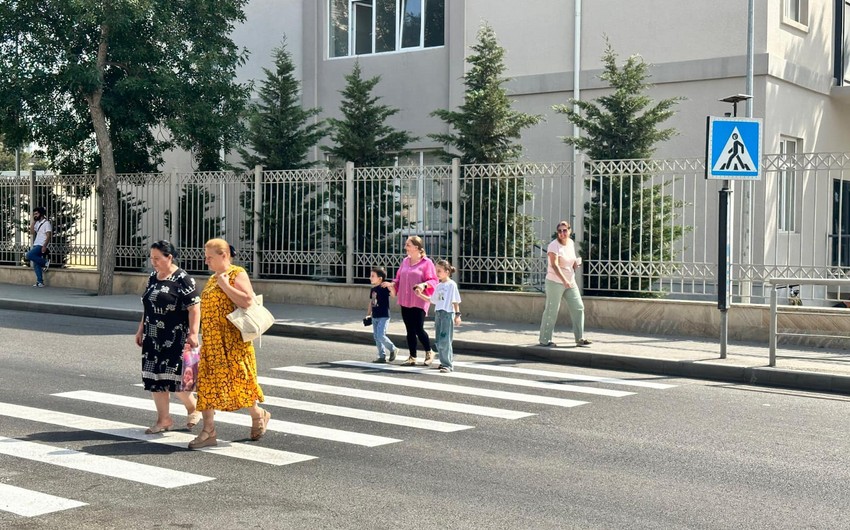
point(259, 425)
point(205, 439)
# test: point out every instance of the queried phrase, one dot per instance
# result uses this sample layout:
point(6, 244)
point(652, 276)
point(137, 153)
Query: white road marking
point(439, 387)
point(28, 503)
point(101, 465)
point(367, 415)
point(564, 375)
point(490, 379)
point(136, 432)
point(299, 429)
point(400, 399)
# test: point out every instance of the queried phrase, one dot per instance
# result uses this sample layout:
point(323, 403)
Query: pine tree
point(485, 130)
point(625, 219)
point(364, 138)
point(281, 134)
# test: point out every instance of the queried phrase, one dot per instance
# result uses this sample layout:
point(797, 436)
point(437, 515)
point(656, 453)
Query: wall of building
point(695, 52)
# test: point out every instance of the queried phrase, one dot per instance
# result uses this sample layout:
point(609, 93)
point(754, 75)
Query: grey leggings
point(555, 291)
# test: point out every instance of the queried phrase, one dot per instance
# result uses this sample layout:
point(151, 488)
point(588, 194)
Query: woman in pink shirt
point(416, 274)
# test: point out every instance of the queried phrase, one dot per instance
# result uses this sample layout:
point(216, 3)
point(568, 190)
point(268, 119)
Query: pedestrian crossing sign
point(733, 148)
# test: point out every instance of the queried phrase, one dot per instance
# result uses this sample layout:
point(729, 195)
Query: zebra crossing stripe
point(490, 379)
point(101, 465)
point(253, 453)
point(28, 503)
point(439, 387)
point(367, 415)
point(299, 429)
point(400, 399)
point(565, 375)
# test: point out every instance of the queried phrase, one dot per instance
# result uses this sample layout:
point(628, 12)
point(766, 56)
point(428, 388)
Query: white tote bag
point(252, 321)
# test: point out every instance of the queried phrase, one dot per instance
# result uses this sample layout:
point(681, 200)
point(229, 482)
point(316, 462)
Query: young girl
point(446, 300)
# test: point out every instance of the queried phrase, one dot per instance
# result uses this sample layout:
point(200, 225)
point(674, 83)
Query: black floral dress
point(165, 328)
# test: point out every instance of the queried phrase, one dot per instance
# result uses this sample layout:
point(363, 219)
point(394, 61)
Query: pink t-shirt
point(565, 258)
point(409, 275)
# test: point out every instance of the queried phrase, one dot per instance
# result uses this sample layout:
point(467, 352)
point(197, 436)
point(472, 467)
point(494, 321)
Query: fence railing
point(649, 226)
point(789, 283)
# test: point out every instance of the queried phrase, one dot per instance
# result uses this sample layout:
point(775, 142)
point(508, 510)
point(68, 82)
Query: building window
point(787, 196)
point(362, 27)
point(796, 13)
point(841, 44)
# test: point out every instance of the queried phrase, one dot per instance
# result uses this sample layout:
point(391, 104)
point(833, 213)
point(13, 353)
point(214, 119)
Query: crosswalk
point(356, 384)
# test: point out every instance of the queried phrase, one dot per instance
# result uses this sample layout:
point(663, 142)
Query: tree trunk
point(109, 186)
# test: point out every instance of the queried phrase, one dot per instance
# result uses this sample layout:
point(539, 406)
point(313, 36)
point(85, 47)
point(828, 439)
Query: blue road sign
point(733, 148)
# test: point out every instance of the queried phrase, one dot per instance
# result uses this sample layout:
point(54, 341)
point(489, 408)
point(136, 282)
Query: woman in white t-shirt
point(561, 283)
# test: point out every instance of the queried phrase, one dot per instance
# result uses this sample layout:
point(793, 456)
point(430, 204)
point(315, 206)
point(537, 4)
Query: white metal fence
point(649, 226)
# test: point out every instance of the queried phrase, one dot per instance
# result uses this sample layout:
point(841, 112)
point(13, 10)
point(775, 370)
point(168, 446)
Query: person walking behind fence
point(446, 300)
point(172, 314)
point(42, 231)
point(378, 313)
point(227, 372)
point(416, 273)
point(561, 283)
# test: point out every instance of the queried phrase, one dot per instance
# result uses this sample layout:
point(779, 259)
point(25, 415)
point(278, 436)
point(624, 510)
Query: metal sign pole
point(724, 265)
point(733, 150)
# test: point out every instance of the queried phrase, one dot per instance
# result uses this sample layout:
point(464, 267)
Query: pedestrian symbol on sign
point(735, 156)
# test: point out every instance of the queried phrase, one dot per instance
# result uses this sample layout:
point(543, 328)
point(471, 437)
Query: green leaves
point(485, 129)
point(623, 124)
point(363, 136)
point(168, 63)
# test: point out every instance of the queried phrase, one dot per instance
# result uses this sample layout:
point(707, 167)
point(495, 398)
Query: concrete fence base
point(747, 322)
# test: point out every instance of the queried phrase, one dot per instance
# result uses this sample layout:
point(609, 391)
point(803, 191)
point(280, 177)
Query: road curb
point(584, 357)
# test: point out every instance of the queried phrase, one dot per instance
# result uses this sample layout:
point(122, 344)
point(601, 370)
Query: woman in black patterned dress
point(171, 319)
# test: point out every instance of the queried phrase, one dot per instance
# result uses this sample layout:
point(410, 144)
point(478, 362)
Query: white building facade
point(698, 50)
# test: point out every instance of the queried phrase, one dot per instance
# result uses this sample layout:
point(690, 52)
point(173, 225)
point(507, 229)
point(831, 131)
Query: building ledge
point(840, 94)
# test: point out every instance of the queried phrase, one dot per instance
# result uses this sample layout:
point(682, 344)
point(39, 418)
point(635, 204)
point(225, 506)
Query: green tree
point(7, 158)
point(625, 219)
point(280, 135)
point(198, 224)
point(94, 80)
point(485, 130)
point(364, 138)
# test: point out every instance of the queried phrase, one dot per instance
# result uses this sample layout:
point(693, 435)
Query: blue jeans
point(38, 261)
point(444, 329)
point(379, 331)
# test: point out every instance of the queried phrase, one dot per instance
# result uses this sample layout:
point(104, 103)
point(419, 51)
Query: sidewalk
point(822, 369)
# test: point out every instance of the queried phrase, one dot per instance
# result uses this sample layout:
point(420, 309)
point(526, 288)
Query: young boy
point(379, 312)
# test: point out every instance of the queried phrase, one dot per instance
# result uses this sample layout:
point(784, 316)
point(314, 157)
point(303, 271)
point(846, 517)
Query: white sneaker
point(38, 284)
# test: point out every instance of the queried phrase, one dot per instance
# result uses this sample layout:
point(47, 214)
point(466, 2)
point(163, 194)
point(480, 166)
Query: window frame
point(787, 188)
point(801, 22)
point(352, 28)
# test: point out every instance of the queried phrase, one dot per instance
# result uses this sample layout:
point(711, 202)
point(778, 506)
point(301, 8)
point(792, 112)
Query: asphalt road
point(695, 454)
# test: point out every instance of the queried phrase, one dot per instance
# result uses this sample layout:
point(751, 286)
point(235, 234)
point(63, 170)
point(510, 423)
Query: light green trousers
point(554, 292)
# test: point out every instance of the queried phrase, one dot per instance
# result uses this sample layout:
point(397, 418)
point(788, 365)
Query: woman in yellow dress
point(227, 373)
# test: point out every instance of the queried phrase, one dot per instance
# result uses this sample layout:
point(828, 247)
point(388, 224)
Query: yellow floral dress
point(227, 373)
